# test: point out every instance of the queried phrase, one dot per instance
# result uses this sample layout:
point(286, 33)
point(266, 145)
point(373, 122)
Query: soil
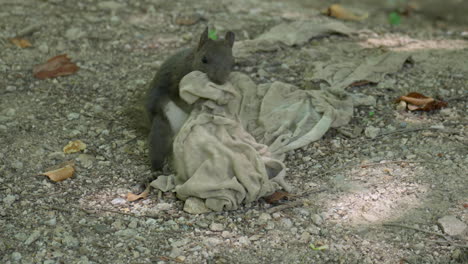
point(372, 192)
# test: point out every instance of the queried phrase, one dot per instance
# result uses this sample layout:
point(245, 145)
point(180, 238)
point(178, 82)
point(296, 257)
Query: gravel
point(388, 166)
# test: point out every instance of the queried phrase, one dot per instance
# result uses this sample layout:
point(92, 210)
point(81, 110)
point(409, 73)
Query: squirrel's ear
point(203, 38)
point(229, 38)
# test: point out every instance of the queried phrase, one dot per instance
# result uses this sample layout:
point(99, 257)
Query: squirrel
point(166, 110)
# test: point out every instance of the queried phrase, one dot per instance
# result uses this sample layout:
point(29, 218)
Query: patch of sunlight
point(398, 42)
point(377, 193)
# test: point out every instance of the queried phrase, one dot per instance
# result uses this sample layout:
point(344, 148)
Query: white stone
point(452, 226)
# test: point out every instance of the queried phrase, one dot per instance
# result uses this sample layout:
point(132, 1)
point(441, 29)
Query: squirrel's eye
point(204, 59)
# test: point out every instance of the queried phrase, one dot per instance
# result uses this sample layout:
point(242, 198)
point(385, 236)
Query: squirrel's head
point(214, 57)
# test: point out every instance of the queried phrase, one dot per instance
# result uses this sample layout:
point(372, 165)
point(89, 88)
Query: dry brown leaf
point(420, 102)
point(410, 8)
point(359, 83)
point(187, 20)
point(20, 42)
point(417, 101)
point(61, 174)
point(434, 105)
point(133, 197)
point(277, 196)
point(74, 146)
point(340, 12)
point(57, 66)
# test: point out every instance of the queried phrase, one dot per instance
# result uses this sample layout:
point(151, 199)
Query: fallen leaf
point(133, 197)
point(212, 34)
point(187, 20)
point(465, 205)
point(394, 18)
point(337, 11)
point(434, 106)
point(61, 174)
point(416, 98)
point(57, 66)
point(20, 42)
point(277, 196)
point(74, 146)
point(419, 102)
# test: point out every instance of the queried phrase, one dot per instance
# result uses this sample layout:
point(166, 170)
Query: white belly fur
point(175, 115)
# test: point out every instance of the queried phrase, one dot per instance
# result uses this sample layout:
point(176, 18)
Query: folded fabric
point(230, 149)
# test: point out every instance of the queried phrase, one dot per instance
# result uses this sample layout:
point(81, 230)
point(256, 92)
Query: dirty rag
point(230, 149)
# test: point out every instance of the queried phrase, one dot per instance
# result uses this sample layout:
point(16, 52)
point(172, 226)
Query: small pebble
point(52, 222)
point(10, 112)
point(262, 73)
point(86, 160)
point(33, 237)
point(216, 227)
point(74, 33)
point(452, 226)
point(73, 116)
point(133, 224)
point(115, 19)
point(286, 222)
point(372, 132)
point(243, 240)
point(16, 256)
point(17, 165)
point(316, 219)
point(118, 201)
point(10, 88)
point(44, 48)
point(264, 217)
point(180, 259)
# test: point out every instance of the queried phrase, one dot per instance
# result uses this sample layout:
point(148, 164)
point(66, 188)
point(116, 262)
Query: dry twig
point(285, 206)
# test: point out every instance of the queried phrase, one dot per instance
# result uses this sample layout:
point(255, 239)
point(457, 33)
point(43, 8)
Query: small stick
point(420, 230)
point(377, 164)
point(395, 162)
point(285, 206)
point(415, 130)
point(449, 242)
point(296, 203)
point(93, 211)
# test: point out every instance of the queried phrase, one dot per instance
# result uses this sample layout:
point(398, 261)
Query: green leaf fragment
point(394, 18)
point(212, 34)
point(371, 113)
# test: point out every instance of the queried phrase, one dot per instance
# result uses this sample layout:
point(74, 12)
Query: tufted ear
point(229, 38)
point(203, 39)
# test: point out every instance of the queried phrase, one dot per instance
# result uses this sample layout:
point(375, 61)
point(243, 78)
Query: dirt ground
point(372, 192)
